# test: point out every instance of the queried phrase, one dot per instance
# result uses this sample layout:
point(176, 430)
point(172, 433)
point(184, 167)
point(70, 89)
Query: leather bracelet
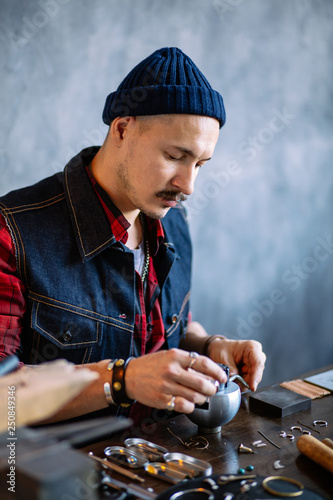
point(208, 341)
point(118, 383)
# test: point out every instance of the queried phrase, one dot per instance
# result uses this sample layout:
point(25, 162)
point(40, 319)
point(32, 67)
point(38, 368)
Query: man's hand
point(244, 357)
point(155, 378)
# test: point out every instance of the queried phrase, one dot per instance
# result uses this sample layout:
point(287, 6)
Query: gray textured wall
point(261, 215)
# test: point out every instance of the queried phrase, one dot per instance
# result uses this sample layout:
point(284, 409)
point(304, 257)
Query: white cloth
point(139, 257)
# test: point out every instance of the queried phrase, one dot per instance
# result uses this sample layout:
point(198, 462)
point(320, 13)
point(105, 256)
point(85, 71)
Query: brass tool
point(116, 468)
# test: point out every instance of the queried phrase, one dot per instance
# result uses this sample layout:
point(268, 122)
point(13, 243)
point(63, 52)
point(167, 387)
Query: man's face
point(161, 159)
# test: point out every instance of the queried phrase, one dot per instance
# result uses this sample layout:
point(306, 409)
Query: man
point(95, 262)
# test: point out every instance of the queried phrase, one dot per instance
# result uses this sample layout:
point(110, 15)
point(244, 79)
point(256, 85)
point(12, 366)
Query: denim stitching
point(56, 340)
point(174, 326)
point(88, 360)
point(112, 323)
point(34, 206)
point(77, 226)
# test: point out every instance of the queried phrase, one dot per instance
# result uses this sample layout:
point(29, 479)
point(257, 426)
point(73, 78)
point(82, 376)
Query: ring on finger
point(193, 356)
point(171, 404)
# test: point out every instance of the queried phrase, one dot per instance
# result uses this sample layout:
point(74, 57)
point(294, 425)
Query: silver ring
point(296, 428)
point(171, 404)
point(192, 493)
point(321, 423)
point(193, 356)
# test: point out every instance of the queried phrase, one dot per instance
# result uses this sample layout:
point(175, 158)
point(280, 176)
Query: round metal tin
point(125, 456)
point(153, 452)
point(165, 471)
point(188, 463)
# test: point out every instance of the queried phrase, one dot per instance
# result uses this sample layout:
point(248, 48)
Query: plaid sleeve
point(12, 303)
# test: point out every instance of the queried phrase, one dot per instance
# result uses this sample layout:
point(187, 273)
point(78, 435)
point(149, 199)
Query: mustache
point(171, 195)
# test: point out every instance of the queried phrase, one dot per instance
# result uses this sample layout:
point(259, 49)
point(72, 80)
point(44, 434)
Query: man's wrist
point(115, 390)
point(207, 345)
point(118, 383)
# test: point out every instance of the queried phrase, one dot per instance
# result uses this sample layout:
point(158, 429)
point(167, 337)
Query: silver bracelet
point(107, 385)
point(108, 394)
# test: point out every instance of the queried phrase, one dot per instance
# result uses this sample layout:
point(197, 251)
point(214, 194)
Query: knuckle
point(172, 371)
point(184, 405)
point(206, 363)
point(173, 353)
point(198, 399)
point(256, 344)
point(203, 386)
point(162, 387)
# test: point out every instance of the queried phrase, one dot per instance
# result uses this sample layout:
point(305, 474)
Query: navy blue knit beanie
point(165, 82)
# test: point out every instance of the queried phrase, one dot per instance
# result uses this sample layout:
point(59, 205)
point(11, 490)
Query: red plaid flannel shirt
point(12, 301)
point(148, 328)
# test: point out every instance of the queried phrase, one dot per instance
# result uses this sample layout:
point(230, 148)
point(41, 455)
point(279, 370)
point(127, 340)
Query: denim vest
point(80, 281)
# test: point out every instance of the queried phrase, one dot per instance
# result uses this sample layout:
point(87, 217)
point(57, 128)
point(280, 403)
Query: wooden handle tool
point(329, 442)
point(318, 451)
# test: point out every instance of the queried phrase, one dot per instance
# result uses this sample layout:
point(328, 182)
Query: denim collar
point(92, 229)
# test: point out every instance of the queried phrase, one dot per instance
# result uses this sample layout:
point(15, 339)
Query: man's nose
point(184, 179)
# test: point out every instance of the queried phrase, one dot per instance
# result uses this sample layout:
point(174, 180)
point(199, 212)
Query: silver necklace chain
point(147, 255)
point(147, 259)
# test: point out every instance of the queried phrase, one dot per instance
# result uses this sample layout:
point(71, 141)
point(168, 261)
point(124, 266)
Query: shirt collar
point(119, 223)
point(155, 232)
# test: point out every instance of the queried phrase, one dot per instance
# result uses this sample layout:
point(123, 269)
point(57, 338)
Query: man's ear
point(120, 126)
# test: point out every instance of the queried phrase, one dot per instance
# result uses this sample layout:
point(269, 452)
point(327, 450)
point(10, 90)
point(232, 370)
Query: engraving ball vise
point(220, 408)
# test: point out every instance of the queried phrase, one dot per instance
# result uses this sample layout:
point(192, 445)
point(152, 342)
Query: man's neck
point(98, 168)
point(135, 234)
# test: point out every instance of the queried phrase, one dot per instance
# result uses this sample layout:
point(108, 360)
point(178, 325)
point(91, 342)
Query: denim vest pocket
point(63, 331)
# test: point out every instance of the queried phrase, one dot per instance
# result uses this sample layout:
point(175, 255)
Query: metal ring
point(321, 423)
point(217, 385)
point(282, 493)
point(192, 362)
point(296, 428)
point(192, 494)
point(212, 483)
point(171, 404)
point(193, 355)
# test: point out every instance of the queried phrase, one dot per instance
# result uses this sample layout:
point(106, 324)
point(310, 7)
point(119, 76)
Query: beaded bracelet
point(208, 341)
point(118, 383)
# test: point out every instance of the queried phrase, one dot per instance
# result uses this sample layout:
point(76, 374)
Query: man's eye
point(173, 158)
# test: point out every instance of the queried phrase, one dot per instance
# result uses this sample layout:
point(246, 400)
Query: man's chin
point(156, 214)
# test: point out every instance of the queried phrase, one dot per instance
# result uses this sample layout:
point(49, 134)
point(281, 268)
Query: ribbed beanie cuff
point(165, 82)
